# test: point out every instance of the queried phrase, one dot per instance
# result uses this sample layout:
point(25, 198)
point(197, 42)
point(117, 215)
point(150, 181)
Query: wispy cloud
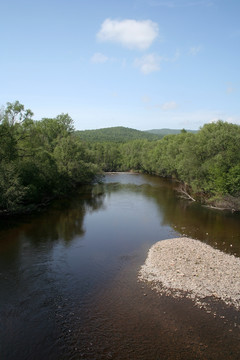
point(194, 50)
point(114, 94)
point(171, 105)
point(233, 119)
point(146, 99)
point(173, 58)
point(129, 33)
point(152, 62)
point(230, 88)
point(176, 56)
point(148, 63)
point(99, 58)
point(197, 118)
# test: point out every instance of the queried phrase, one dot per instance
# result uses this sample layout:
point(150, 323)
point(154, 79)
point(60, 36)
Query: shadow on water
point(218, 228)
point(62, 220)
point(68, 277)
point(32, 272)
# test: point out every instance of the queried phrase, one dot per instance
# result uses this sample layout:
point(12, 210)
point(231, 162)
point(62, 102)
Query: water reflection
point(63, 220)
point(220, 229)
point(68, 275)
point(35, 275)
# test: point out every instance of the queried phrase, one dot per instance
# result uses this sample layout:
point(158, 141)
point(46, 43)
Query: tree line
point(39, 159)
point(206, 163)
point(47, 158)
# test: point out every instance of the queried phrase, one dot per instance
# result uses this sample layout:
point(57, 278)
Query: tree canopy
point(207, 161)
point(47, 158)
point(39, 159)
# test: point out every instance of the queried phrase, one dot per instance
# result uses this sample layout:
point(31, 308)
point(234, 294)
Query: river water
point(68, 277)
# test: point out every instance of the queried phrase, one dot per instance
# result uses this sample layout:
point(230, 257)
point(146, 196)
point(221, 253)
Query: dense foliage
point(207, 163)
point(38, 159)
point(164, 132)
point(42, 159)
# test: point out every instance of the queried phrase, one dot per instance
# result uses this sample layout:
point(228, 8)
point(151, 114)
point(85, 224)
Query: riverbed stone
point(188, 267)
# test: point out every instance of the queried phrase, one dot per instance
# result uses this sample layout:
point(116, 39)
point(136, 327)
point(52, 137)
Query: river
point(68, 277)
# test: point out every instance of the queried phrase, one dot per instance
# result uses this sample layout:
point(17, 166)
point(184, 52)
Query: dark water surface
point(68, 278)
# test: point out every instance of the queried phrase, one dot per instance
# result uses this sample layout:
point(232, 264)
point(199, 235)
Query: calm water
point(68, 278)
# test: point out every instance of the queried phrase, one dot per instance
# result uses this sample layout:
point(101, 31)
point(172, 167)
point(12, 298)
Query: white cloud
point(233, 119)
point(151, 62)
point(130, 33)
point(194, 50)
point(146, 99)
point(230, 88)
point(99, 58)
point(124, 63)
point(171, 105)
point(176, 56)
point(197, 118)
point(148, 63)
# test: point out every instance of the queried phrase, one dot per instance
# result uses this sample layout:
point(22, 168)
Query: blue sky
point(144, 64)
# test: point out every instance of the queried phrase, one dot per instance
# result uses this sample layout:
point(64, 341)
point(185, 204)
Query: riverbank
point(184, 267)
point(225, 202)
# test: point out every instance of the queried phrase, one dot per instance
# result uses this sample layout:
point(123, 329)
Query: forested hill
point(163, 132)
point(118, 134)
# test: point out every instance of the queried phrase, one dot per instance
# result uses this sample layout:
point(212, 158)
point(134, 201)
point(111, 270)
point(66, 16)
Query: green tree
point(38, 159)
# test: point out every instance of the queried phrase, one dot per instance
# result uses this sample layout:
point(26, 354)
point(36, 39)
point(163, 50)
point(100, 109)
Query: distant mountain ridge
point(115, 134)
point(123, 134)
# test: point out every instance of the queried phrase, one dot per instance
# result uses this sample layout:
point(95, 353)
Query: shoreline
point(227, 205)
point(188, 268)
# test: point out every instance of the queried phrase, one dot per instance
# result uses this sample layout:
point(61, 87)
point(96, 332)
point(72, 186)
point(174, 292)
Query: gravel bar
point(185, 267)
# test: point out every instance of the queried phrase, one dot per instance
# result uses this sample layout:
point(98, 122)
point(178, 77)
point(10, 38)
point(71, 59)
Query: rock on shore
point(186, 267)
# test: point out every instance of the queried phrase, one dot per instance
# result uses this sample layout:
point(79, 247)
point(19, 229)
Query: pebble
point(188, 267)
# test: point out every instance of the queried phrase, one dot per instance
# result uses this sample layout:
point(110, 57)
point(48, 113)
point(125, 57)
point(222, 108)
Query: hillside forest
point(44, 159)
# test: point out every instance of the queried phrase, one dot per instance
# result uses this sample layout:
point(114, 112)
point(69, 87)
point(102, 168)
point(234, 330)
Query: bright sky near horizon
point(143, 64)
